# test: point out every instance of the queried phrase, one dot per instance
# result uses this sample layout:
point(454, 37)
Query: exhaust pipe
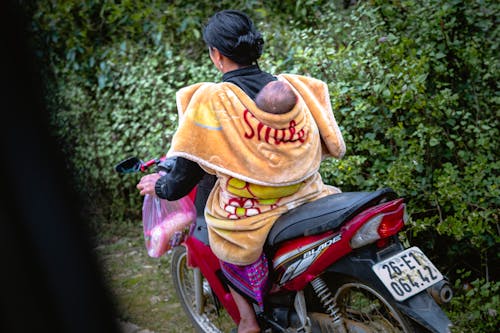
point(441, 292)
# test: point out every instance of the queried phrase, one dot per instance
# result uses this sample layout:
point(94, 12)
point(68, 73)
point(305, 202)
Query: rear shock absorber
point(328, 302)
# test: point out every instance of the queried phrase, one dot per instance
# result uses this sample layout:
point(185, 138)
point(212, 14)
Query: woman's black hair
point(233, 33)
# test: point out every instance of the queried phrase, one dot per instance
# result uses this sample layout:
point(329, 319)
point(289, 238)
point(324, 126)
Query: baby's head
point(276, 97)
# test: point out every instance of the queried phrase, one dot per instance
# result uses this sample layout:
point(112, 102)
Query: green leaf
point(433, 142)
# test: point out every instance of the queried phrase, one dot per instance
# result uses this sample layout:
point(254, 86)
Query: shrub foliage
point(413, 84)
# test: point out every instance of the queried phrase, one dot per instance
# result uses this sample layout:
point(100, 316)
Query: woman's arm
point(181, 177)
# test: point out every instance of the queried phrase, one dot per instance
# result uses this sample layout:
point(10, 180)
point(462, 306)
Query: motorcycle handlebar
point(133, 165)
point(145, 165)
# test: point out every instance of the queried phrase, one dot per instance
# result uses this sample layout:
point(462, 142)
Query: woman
point(264, 163)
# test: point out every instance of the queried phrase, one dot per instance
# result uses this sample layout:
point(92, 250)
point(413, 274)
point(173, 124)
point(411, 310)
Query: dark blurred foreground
point(50, 279)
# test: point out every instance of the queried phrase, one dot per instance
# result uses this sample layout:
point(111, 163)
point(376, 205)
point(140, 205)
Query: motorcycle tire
point(206, 314)
point(364, 309)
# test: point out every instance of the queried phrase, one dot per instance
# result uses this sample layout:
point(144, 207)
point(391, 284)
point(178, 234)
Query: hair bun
point(251, 39)
point(250, 43)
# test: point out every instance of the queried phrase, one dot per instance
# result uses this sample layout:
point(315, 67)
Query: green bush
point(475, 305)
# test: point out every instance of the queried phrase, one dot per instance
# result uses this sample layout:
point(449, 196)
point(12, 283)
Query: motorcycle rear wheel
point(365, 310)
point(211, 317)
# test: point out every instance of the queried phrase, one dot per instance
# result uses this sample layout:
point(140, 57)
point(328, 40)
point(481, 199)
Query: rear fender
point(421, 307)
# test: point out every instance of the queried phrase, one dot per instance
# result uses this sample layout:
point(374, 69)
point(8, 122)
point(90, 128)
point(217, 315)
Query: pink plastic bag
point(166, 223)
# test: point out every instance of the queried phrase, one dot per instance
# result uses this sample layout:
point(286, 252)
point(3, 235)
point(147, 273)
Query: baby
point(276, 97)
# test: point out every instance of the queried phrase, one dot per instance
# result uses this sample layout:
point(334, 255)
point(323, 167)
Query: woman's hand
point(147, 184)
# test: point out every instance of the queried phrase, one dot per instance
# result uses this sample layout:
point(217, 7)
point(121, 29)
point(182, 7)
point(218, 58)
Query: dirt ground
point(141, 287)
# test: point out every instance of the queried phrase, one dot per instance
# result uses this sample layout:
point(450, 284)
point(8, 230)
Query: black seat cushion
point(324, 214)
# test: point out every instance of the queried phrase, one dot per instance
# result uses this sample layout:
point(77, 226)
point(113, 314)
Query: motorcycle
point(336, 265)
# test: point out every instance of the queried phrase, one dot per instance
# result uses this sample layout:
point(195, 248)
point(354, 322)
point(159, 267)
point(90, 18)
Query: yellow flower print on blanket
point(250, 197)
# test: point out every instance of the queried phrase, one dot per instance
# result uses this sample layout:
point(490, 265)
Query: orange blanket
point(266, 163)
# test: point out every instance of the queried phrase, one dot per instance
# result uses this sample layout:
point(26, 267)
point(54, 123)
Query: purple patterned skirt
point(250, 280)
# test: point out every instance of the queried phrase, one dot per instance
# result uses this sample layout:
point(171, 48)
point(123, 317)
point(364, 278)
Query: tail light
point(380, 226)
point(393, 222)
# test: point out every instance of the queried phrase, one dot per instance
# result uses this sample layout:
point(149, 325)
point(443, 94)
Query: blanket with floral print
point(266, 163)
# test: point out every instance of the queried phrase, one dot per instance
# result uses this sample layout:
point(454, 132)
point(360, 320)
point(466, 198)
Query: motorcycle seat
point(324, 214)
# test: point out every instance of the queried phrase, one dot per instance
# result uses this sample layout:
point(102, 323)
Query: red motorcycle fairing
point(298, 261)
point(295, 257)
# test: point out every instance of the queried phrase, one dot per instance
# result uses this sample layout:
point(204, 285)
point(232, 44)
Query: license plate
point(407, 273)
